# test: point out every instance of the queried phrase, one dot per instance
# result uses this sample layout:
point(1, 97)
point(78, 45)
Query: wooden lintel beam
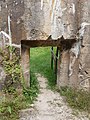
point(40, 43)
point(43, 43)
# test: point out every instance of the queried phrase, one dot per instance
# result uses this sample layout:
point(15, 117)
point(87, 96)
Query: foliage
point(40, 63)
point(9, 110)
point(12, 68)
point(31, 93)
point(78, 99)
point(15, 99)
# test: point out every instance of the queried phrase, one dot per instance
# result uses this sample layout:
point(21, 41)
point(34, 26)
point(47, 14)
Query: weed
point(12, 69)
point(14, 99)
point(31, 93)
point(78, 99)
point(9, 110)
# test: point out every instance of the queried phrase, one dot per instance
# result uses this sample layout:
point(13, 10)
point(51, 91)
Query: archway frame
point(61, 43)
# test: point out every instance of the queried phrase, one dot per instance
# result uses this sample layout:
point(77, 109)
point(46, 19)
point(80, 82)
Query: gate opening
point(26, 45)
point(41, 61)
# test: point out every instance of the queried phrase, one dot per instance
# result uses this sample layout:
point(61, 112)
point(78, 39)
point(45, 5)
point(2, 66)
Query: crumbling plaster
point(71, 19)
point(37, 19)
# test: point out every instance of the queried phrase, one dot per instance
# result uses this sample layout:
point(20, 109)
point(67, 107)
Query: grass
point(20, 99)
point(17, 100)
point(77, 99)
point(40, 62)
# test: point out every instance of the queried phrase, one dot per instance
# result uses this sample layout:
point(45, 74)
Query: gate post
point(62, 70)
point(25, 64)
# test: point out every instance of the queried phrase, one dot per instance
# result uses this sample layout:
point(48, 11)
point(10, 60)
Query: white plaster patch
point(21, 1)
point(5, 34)
point(82, 29)
point(42, 4)
point(64, 9)
point(57, 27)
point(76, 48)
point(6, 6)
point(76, 51)
point(0, 8)
point(50, 4)
point(9, 30)
point(14, 45)
point(73, 8)
point(18, 21)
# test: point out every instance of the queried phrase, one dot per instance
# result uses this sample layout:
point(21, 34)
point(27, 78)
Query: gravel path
point(50, 106)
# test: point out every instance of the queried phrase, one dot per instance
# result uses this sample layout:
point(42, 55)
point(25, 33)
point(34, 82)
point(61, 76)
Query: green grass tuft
point(78, 99)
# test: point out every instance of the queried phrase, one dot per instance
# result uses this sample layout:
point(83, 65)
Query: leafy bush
point(19, 99)
point(11, 67)
point(15, 99)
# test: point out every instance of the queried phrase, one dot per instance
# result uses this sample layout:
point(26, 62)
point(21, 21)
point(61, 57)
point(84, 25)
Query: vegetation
point(19, 99)
point(78, 99)
point(15, 98)
point(40, 62)
point(12, 68)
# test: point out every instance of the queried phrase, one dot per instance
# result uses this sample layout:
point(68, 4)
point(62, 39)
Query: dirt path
point(50, 106)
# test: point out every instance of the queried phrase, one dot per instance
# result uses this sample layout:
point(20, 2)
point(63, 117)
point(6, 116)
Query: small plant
point(9, 110)
point(31, 93)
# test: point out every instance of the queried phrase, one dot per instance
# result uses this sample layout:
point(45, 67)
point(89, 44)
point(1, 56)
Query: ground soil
point(50, 106)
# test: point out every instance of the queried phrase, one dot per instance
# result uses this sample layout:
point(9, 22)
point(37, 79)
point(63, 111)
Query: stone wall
point(14, 9)
point(74, 70)
point(27, 21)
point(70, 18)
point(36, 21)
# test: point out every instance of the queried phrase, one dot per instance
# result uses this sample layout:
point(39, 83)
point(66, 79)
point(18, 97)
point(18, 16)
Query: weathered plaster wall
point(27, 21)
point(14, 9)
point(36, 19)
point(84, 59)
point(71, 19)
point(37, 24)
point(70, 27)
point(77, 59)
